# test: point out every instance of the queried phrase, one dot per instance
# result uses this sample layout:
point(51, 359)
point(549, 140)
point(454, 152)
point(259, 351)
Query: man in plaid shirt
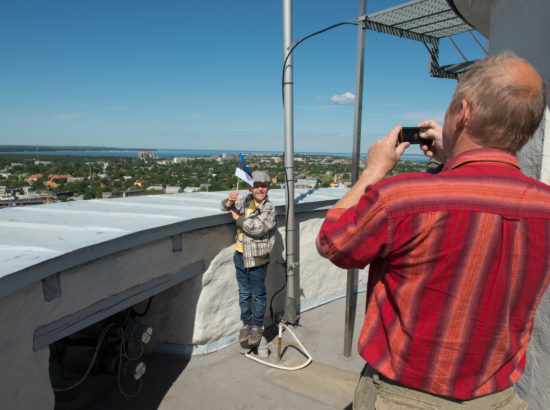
point(458, 260)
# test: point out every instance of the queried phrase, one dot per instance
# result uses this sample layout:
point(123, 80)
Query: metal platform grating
point(433, 18)
point(426, 21)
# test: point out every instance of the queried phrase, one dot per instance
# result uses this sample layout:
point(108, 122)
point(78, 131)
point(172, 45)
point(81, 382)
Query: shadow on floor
point(103, 391)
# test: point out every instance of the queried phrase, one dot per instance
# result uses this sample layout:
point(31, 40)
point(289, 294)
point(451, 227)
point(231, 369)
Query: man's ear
point(249, 188)
point(463, 117)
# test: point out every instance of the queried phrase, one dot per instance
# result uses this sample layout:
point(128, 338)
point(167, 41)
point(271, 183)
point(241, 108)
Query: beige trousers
point(374, 391)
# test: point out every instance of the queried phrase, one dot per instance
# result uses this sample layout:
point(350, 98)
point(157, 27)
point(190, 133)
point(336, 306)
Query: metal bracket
point(51, 287)
point(177, 243)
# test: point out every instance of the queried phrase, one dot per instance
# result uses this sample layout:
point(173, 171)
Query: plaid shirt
point(458, 264)
point(258, 228)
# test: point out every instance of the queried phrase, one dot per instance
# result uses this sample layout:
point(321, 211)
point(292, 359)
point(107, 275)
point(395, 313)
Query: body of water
point(162, 153)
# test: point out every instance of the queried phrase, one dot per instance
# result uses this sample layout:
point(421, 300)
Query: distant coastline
point(5, 149)
point(159, 153)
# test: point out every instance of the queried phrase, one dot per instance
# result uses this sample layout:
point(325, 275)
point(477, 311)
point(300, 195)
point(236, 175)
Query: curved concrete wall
point(194, 307)
point(210, 301)
point(523, 28)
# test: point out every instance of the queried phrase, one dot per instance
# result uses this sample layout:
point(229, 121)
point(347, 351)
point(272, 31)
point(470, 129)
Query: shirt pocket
point(260, 247)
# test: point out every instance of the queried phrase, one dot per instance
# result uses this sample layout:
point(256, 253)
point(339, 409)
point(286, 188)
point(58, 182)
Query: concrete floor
point(228, 380)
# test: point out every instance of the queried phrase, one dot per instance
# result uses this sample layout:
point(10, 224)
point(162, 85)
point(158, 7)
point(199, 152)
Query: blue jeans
point(251, 288)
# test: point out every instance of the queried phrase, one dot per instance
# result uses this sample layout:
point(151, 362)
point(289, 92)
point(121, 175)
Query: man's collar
point(482, 155)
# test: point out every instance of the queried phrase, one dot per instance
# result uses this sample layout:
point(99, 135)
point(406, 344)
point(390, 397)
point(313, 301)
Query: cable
point(136, 314)
point(122, 355)
point(351, 22)
point(347, 22)
point(99, 342)
point(276, 366)
point(273, 297)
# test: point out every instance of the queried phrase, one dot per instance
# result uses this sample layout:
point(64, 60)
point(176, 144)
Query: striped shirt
point(458, 264)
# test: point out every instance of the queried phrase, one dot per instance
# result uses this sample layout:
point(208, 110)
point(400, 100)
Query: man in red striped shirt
point(458, 260)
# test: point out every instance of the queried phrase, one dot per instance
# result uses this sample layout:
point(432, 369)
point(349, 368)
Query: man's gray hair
point(504, 112)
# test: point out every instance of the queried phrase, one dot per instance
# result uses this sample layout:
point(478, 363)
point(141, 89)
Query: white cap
point(261, 176)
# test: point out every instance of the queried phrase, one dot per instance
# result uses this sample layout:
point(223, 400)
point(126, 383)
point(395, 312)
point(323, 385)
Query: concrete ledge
point(51, 332)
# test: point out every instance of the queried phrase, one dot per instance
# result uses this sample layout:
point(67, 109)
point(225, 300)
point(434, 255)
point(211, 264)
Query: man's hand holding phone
point(434, 133)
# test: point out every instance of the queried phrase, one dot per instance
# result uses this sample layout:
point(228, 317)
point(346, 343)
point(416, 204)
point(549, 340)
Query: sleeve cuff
point(239, 222)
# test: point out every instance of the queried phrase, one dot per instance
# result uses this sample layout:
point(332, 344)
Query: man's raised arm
point(382, 157)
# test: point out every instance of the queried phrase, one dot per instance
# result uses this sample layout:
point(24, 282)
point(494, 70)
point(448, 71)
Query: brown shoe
point(244, 334)
point(255, 335)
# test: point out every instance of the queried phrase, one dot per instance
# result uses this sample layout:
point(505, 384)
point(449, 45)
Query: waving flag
point(243, 172)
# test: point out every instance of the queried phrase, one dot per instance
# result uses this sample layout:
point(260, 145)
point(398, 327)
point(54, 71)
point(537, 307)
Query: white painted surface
point(37, 241)
point(33, 234)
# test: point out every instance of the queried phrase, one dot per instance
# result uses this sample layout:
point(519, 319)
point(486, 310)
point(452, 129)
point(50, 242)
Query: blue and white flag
point(243, 172)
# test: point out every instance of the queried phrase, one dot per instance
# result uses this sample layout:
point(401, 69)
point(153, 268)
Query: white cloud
point(343, 99)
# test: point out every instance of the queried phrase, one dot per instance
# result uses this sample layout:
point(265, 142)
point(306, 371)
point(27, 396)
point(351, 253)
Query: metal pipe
point(351, 299)
point(279, 342)
point(457, 49)
point(476, 40)
point(290, 301)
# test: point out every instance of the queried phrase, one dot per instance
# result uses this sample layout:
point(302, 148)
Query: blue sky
point(204, 75)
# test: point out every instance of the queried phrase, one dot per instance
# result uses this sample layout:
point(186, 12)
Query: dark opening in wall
point(105, 354)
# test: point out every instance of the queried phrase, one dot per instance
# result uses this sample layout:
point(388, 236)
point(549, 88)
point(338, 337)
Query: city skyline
point(205, 75)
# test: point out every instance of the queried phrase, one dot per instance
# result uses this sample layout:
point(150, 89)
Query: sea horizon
point(171, 153)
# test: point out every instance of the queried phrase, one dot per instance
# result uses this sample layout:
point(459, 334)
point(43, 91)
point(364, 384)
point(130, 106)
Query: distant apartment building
point(146, 154)
point(131, 193)
point(306, 183)
point(179, 160)
point(104, 164)
point(33, 178)
point(58, 177)
point(155, 188)
point(173, 190)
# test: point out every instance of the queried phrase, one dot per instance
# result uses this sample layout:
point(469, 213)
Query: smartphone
point(412, 135)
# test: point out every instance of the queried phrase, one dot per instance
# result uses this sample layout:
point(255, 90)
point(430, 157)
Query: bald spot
point(524, 75)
